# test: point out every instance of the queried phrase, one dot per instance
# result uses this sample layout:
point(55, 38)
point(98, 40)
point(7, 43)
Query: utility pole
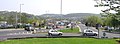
point(16, 21)
point(61, 7)
point(97, 27)
point(20, 11)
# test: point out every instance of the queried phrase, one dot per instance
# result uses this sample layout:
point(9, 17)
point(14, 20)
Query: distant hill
point(70, 16)
point(80, 14)
point(52, 15)
point(12, 13)
point(11, 16)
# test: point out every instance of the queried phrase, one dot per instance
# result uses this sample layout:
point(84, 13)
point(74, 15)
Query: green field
point(75, 30)
point(60, 41)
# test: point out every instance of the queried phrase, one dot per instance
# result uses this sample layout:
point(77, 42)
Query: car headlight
point(96, 33)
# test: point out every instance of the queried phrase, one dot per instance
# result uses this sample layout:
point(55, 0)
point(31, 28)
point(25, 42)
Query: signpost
point(97, 27)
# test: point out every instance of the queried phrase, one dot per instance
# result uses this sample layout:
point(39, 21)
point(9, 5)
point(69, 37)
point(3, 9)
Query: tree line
point(10, 17)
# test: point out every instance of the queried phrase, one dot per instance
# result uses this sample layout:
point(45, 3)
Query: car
point(29, 28)
point(49, 27)
point(3, 26)
point(109, 28)
point(54, 32)
point(88, 32)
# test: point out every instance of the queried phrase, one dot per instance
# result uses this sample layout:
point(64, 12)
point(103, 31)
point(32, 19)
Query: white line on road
point(79, 29)
point(19, 33)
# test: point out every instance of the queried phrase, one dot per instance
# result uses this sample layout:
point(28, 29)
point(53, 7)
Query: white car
point(54, 32)
point(88, 32)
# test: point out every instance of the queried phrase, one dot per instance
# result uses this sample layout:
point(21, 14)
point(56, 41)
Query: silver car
point(54, 32)
point(88, 32)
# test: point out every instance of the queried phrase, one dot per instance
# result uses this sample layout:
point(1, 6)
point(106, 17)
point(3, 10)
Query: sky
point(39, 7)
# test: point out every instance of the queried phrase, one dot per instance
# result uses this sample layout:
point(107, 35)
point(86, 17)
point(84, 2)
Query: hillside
point(69, 16)
point(52, 15)
point(10, 17)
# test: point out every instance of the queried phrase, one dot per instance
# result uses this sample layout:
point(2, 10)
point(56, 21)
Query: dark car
point(29, 28)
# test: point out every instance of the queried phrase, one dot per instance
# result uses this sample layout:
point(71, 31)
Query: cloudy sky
point(38, 7)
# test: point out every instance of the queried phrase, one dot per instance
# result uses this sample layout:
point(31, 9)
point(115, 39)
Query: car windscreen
point(88, 31)
point(54, 31)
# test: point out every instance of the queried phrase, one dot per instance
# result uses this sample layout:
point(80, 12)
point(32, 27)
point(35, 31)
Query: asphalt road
point(22, 33)
point(109, 35)
point(38, 35)
point(4, 32)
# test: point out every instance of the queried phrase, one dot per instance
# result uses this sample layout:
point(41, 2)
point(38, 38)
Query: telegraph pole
point(20, 11)
point(16, 21)
point(61, 7)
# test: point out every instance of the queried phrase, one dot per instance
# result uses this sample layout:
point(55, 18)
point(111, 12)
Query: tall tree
point(93, 20)
point(114, 5)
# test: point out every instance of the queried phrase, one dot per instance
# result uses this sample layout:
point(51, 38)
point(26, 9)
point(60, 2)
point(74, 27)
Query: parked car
point(88, 32)
point(49, 27)
point(29, 28)
point(6, 26)
point(54, 32)
point(3, 26)
point(109, 28)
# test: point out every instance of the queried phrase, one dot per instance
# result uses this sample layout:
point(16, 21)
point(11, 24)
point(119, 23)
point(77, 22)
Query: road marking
point(19, 33)
point(79, 29)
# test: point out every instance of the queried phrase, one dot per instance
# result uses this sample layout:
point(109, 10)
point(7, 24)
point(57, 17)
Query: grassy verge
point(60, 41)
point(74, 30)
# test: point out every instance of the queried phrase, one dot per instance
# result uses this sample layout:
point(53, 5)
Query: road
point(4, 32)
point(23, 34)
point(44, 35)
point(109, 35)
point(19, 33)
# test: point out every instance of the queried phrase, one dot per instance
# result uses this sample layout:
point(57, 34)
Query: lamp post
point(61, 7)
point(16, 21)
point(20, 11)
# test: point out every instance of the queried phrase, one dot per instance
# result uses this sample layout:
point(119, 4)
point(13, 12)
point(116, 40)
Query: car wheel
point(60, 34)
point(50, 34)
point(95, 34)
point(85, 34)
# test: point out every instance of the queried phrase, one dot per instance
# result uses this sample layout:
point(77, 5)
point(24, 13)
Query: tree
point(111, 19)
point(11, 19)
point(93, 20)
point(24, 18)
point(1, 18)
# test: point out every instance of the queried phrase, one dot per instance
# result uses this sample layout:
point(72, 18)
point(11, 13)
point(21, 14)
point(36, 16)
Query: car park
point(54, 32)
point(88, 32)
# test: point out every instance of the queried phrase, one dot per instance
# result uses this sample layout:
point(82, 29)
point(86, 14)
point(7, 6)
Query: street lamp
point(16, 21)
point(20, 11)
point(61, 7)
